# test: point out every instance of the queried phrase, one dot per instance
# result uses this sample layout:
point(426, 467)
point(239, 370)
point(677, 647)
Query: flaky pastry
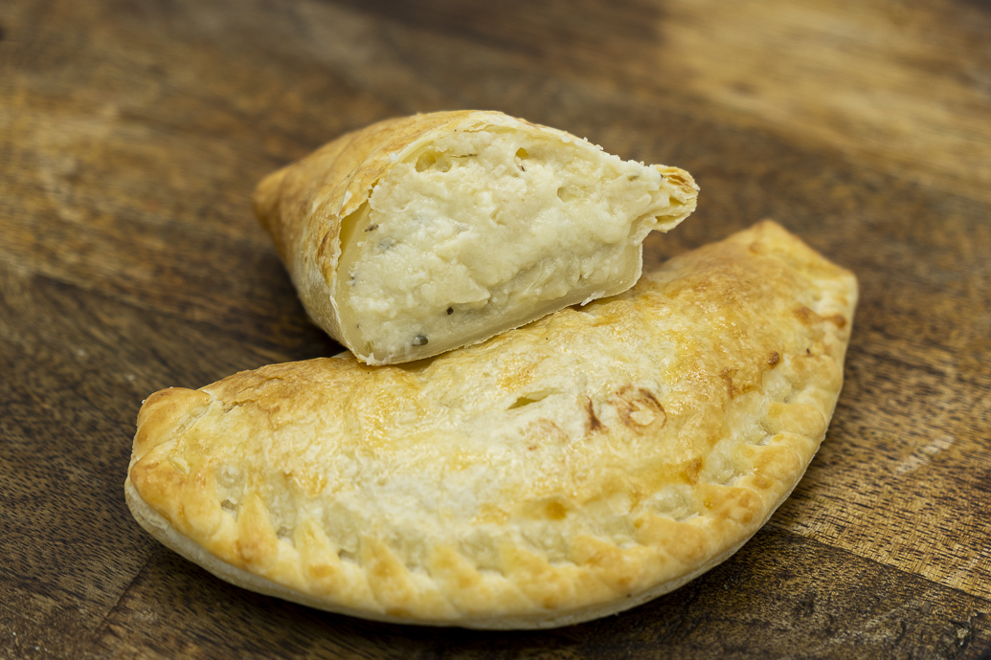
point(563, 471)
point(418, 235)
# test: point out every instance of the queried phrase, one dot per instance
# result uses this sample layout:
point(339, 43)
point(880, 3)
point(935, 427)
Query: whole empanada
point(567, 470)
point(417, 235)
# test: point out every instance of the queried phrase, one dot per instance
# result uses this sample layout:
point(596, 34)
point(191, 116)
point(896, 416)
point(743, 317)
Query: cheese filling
point(485, 230)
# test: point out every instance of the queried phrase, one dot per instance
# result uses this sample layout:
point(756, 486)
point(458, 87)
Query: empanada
point(563, 471)
point(414, 236)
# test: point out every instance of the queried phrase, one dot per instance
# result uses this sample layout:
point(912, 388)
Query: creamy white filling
point(488, 228)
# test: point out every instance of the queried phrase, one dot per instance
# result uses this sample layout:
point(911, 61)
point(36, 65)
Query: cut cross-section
point(454, 227)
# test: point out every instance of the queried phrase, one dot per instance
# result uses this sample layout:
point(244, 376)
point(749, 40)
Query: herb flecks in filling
point(499, 226)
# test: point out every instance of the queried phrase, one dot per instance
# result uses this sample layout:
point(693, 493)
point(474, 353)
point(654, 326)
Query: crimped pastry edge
point(159, 528)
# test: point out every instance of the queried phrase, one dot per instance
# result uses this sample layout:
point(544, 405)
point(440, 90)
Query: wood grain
point(132, 133)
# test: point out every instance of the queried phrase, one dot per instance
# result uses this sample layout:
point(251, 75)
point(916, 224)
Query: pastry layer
point(569, 469)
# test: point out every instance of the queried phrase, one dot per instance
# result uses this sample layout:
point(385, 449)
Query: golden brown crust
point(569, 469)
point(304, 204)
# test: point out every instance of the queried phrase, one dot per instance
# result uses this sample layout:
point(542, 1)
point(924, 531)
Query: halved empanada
point(563, 471)
point(414, 236)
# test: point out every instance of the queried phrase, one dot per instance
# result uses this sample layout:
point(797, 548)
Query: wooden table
point(131, 136)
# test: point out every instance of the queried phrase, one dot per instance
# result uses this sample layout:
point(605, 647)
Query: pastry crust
point(567, 470)
point(421, 234)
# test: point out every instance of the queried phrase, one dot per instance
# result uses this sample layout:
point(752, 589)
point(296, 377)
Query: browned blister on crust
point(567, 470)
point(417, 235)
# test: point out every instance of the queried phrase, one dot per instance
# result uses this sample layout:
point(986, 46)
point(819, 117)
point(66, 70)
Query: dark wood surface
point(132, 133)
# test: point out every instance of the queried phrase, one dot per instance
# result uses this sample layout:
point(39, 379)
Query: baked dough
point(418, 235)
point(567, 470)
